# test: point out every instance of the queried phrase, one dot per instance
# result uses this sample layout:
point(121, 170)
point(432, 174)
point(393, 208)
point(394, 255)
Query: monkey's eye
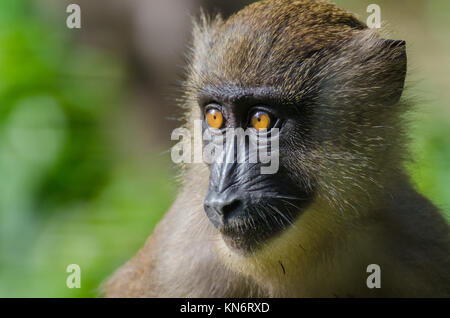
point(261, 120)
point(214, 118)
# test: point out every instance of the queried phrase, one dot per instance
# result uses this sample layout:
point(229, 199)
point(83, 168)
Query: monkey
point(341, 199)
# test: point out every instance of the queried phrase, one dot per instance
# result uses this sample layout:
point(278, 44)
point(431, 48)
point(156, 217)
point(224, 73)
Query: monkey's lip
point(245, 239)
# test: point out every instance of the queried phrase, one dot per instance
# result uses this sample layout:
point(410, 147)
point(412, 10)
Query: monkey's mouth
point(251, 225)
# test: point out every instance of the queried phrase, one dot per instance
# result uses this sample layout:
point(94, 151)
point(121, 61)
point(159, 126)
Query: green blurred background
point(86, 116)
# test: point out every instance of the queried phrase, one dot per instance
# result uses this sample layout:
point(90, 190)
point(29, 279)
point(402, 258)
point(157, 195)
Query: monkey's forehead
point(306, 24)
point(266, 38)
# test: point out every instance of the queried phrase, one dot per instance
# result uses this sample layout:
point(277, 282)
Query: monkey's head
point(331, 87)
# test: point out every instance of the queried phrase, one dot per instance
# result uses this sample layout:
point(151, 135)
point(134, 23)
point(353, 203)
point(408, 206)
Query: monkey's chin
point(240, 244)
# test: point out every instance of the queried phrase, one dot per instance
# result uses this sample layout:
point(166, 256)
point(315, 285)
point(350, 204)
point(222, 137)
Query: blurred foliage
point(430, 166)
point(66, 196)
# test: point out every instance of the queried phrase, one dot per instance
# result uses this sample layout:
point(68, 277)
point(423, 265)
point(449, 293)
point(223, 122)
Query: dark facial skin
point(246, 206)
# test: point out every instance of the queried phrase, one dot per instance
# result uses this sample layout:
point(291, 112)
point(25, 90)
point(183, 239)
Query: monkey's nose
point(221, 209)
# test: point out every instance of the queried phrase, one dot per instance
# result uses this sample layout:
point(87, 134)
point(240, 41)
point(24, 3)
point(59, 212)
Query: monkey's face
point(251, 199)
point(329, 87)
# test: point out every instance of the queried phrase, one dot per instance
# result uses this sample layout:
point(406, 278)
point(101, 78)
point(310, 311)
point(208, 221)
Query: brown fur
point(365, 212)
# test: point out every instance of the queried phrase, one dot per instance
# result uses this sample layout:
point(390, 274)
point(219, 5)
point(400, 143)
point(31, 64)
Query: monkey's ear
point(384, 68)
point(370, 70)
point(396, 67)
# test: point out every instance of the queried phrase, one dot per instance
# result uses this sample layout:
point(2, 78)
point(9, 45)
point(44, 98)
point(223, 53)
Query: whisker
point(281, 214)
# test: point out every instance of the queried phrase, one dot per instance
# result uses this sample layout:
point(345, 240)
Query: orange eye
point(261, 121)
point(214, 118)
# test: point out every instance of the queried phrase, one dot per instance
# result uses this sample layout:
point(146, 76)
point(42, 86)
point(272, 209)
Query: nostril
point(221, 208)
point(229, 209)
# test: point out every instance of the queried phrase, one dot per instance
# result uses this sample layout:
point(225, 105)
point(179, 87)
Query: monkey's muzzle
point(248, 208)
